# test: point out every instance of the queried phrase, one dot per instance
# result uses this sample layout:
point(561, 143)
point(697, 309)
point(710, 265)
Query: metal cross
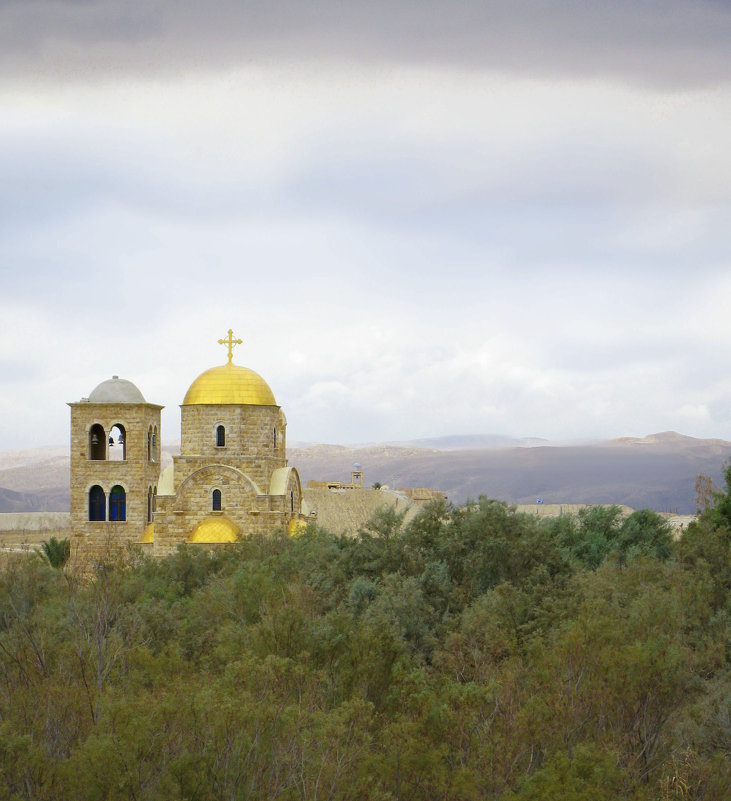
point(230, 341)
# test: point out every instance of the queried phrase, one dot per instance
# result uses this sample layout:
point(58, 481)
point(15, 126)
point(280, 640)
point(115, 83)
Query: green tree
point(644, 532)
point(56, 552)
point(587, 775)
point(720, 512)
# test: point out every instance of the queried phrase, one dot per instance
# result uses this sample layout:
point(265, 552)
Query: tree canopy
point(473, 653)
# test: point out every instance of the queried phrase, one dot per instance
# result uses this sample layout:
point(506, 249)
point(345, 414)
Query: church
point(230, 479)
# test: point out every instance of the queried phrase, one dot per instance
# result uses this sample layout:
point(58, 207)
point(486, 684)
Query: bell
point(121, 438)
point(111, 441)
point(94, 439)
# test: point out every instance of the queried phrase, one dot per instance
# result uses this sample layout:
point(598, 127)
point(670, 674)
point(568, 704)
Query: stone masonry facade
point(138, 474)
point(258, 492)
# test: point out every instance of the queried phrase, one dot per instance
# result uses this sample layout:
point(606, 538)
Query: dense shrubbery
point(474, 653)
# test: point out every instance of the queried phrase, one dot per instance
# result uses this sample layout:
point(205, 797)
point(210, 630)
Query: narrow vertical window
point(216, 500)
point(149, 444)
point(291, 502)
point(275, 437)
point(220, 436)
point(97, 503)
point(149, 504)
point(118, 504)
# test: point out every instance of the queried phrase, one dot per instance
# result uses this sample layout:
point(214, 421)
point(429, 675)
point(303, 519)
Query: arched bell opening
point(117, 443)
point(97, 443)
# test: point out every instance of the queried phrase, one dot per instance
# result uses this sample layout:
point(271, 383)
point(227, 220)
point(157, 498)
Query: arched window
point(216, 500)
point(149, 444)
point(220, 436)
point(275, 437)
point(149, 504)
point(97, 442)
point(155, 446)
point(118, 448)
point(291, 502)
point(97, 503)
point(118, 504)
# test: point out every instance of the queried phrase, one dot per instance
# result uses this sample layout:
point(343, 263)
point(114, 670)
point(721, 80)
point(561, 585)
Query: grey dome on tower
point(116, 390)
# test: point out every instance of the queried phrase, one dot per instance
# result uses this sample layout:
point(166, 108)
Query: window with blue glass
point(118, 504)
point(97, 503)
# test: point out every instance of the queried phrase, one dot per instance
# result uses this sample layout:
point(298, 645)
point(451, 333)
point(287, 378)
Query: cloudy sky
point(422, 218)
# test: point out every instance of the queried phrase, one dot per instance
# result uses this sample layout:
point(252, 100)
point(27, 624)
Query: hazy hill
point(657, 471)
point(467, 442)
point(54, 499)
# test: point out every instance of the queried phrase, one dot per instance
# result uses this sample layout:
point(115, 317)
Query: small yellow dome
point(296, 527)
point(229, 385)
point(215, 529)
point(148, 535)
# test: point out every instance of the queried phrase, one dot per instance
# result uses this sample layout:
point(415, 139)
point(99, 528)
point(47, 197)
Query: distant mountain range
point(656, 471)
point(468, 442)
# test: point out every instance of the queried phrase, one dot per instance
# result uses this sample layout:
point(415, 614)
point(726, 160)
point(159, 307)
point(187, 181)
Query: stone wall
point(258, 467)
point(250, 430)
point(422, 493)
point(249, 445)
point(346, 511)
point(243, 469)
point(178, 515)
point(30, 528)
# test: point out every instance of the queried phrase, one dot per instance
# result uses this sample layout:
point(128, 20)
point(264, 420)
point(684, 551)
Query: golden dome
point(215, 529)
point(231, 385)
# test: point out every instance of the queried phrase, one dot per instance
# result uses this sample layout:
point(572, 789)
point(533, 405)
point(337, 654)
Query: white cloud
point(407, 249)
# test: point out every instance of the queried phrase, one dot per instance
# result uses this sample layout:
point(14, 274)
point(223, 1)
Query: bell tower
point(115, 467)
